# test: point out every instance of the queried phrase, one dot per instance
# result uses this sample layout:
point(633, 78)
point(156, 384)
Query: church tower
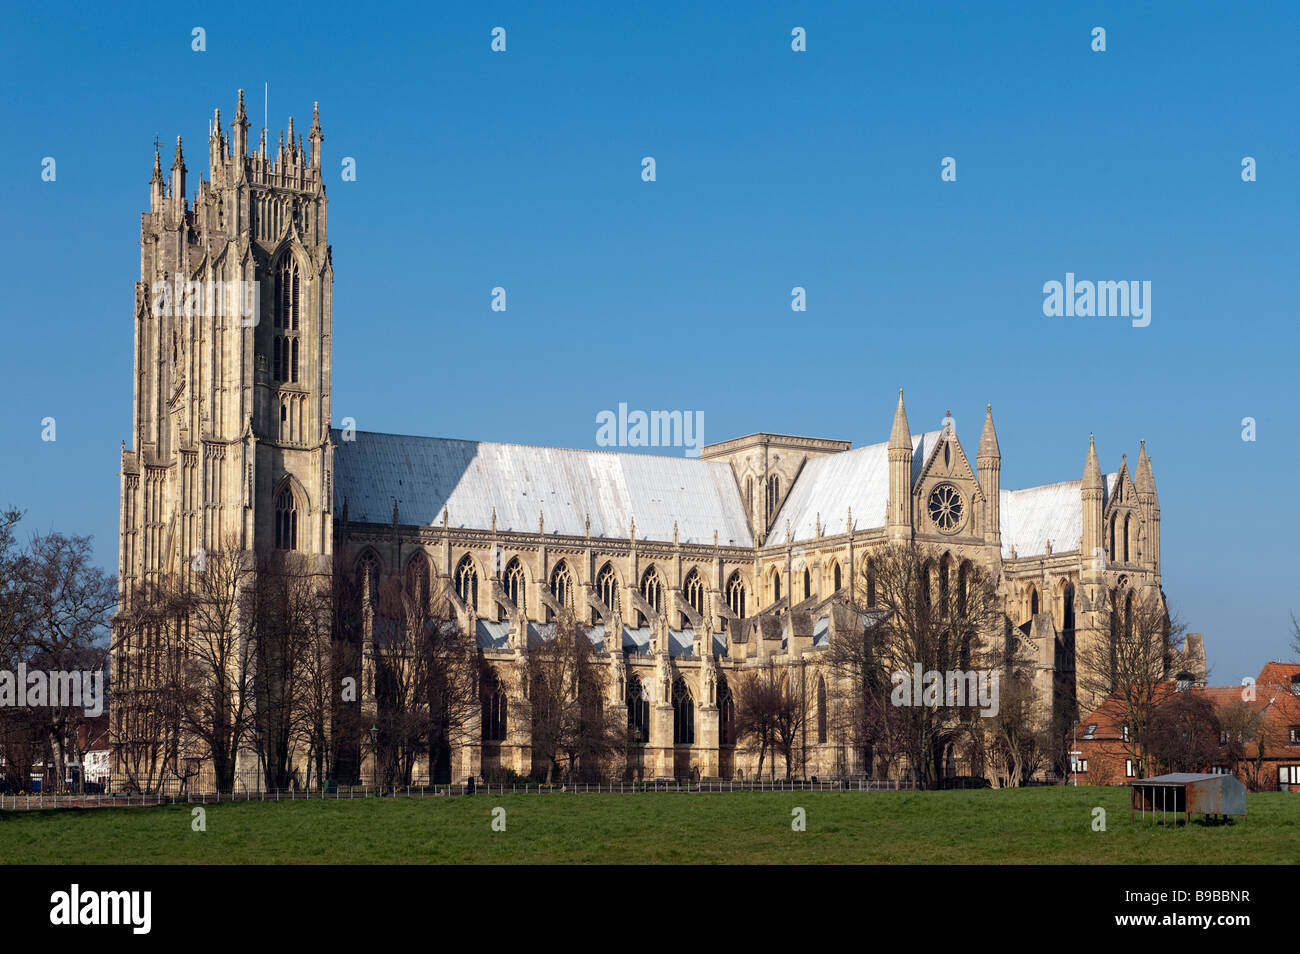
point(231, 388)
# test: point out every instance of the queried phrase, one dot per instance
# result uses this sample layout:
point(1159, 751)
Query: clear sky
point(775, 169)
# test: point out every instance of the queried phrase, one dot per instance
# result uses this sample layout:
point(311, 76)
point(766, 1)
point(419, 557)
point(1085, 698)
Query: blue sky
point(774, 169)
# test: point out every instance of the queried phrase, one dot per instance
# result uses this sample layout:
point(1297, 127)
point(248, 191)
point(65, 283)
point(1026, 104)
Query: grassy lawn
point(1021, 826)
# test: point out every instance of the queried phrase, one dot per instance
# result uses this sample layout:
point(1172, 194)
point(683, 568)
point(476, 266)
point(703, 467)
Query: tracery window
point(495, 708)
point(516, 585)
point(694, 589)
point(652, 592)
point(284, 349)
point(821, 710)
point(736, 594)
point(286, 521)
point(683, 714)
point(562, 585)
point(773, 495)
point(467, 582)
point(726, 712)
point(638, 710)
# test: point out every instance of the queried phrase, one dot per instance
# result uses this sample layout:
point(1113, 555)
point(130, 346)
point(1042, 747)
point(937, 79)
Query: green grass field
point(1017, 826)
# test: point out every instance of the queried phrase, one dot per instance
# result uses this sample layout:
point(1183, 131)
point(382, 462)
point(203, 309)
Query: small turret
point(315, 135)
point(899, 514)
point(239, 130)
point(178, 180)
point(988, 461)
point(1093, 494)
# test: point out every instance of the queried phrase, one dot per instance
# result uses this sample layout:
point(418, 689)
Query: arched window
point(821, 710)
point(1128, 519)
point(776, 585)
point(944, 563)
point(368, 576)
point(1113, 558)
point(683, 714)
point(871, 581)
point(807, 583)
point(1067, 608)
point(1128, 616)
point(652, 590)
point(607, 586)
point(495, 707)
point(925, 582)
point(417, 579)
point(284, 349)
point(638, 710)
point(467, 582)
point(726, 712)
point(516, 587)
point(773, 495)
point(1033, 601)
point(562, 585)
point(694, 589)
point(736, 594)
point(286, 521)
point(749, 494)
point(839, 577)
point(963, 576)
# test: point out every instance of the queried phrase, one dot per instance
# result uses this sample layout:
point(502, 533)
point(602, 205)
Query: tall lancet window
point(284, 349)
point(286, 521)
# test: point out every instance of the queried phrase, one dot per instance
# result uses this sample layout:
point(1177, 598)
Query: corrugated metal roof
point(830, 485)
point(1035, 515)
point(471, 479)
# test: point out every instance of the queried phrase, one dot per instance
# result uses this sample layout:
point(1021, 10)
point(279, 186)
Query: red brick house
point(1268, 761)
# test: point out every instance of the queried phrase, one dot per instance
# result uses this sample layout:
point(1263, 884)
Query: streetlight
point(374, 759)
point(257, 733)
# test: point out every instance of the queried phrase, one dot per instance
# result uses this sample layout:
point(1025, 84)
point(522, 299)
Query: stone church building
point(688, 571)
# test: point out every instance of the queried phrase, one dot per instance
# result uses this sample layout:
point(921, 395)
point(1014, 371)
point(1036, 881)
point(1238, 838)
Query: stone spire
point(1145, 482)
point(901, 436)
point(899, 513)
point(239, 130)
point(1092, 468)
point(989, 437)
point(988, 461)
point(178, 179)
point(315, 135)
point(157, 189)
point(1093, 496)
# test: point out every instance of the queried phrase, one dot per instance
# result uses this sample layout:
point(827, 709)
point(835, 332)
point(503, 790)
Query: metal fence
point(42, 802)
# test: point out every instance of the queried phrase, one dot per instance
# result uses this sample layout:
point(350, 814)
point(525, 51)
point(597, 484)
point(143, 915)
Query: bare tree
point(69, 606)
point(1242, 724)
point(929, 612)
point(426, 678)
point(757, 699)
point(218, 711)
point(1130, 661)
point(1182, 734)
point(572, 732)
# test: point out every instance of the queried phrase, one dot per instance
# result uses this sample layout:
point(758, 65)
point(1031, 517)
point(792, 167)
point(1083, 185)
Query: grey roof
point(519, 482)
point(857, 479)
point(636, 640)
point(492, 635)
point(1035, 515)
point(1179, 778)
